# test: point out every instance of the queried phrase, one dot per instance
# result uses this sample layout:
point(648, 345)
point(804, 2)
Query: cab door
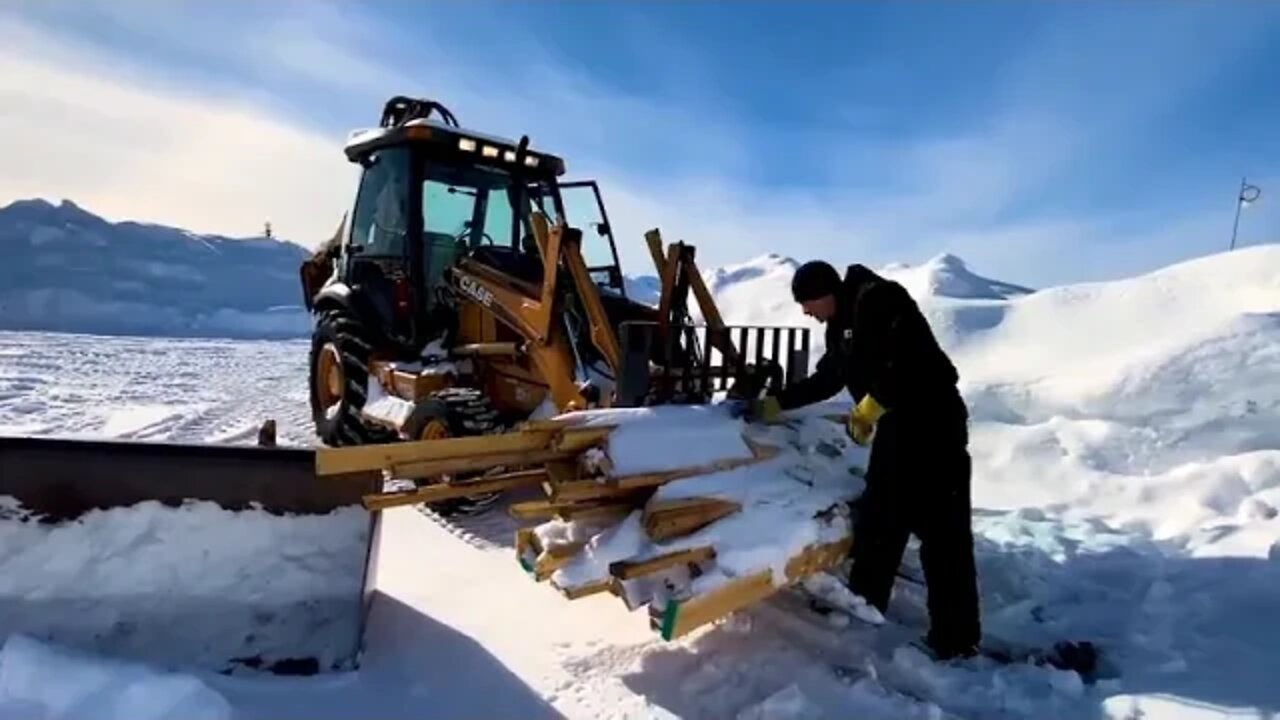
point(584, 209)
point(377, 254)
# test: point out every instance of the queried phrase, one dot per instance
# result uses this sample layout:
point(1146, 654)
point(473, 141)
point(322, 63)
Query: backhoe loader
point(467, 302)
point(468, 290)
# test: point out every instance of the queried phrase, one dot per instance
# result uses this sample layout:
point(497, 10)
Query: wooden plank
point(546, 509)
point(554, 558)
point(433, 468)
point(527, 551)
point(631, 569)
point(562, 471)
point(591, 490)
point(343, 460)
point(679, 618)
point(592, 588)
point(576, 439)
point(554, 424)
point(670, 519)
point(449, 491)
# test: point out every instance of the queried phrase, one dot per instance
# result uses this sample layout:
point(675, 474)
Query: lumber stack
point(616, 509)
point(704, 541)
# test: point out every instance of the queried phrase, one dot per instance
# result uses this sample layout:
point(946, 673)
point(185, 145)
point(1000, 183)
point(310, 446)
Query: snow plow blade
point(211, 557)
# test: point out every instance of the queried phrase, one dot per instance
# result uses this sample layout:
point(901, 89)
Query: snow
point(387, 408)
point(667, 438)
point(195, 586)
point(1126, 484)
point(39, 681)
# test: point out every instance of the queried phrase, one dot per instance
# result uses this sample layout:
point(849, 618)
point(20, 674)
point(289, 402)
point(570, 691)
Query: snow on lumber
point(656, 439)
point(765, 523)
point(192, 586)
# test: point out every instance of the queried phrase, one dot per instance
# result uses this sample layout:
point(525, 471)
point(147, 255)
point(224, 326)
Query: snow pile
point(192, 586)
point(44, 682)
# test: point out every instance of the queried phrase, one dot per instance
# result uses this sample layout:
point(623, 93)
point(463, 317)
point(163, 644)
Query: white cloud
point(126, 141)
point(75, 127)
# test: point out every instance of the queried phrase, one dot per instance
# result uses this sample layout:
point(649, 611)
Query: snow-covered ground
point(1126, 470)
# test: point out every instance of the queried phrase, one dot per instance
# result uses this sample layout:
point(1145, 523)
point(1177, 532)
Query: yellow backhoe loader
point(468, 301)
point(469, 290)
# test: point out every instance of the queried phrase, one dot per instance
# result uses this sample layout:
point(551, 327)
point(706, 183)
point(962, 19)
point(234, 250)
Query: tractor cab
point(432, 193)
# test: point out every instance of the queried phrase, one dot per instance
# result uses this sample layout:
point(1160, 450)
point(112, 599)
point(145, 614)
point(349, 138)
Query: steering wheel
point(467, 231)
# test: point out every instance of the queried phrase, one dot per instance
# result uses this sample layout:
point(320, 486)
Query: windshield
point(476, 207)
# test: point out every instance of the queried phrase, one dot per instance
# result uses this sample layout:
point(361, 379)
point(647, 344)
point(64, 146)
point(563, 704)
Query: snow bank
point(193, 586)
point(44, 682)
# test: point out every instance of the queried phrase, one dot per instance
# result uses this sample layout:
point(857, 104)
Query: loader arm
point(513, 303)
point(602, 334)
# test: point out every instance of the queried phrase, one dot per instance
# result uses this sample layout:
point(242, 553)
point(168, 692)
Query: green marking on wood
point(669, 614)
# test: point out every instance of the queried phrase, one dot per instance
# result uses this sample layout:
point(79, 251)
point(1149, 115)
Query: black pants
point(918, 483)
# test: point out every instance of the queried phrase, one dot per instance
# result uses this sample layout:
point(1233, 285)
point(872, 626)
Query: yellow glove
point(863, 419)
point(766, 410)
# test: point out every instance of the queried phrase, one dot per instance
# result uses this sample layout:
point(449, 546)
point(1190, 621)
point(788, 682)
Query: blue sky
point(1043, 142)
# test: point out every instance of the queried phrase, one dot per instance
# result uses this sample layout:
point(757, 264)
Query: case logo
point(477, 291)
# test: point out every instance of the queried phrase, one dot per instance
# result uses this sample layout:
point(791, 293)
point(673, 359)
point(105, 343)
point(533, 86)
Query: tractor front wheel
point(455, 412)
point(338, 376)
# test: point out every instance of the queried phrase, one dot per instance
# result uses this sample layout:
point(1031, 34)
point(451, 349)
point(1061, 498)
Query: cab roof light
point(467, 144)
point(531, 161)
point(489, 151)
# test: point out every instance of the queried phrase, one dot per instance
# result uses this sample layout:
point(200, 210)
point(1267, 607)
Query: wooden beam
point(580, 490)
point(631, 569)
point(553, 558)
point(668, 519)
point(357, 458)
point(680, 617)
point(449, 491)
point(579, 439)
point(591, 588)
point(590, 509)
point(434, 468)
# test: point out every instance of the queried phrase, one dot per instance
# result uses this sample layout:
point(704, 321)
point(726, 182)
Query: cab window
point(381, 218)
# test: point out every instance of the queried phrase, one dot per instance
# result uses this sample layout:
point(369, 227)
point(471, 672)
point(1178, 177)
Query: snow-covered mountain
point(67, 269)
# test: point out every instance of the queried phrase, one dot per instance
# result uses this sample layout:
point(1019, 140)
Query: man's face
point(821, 309)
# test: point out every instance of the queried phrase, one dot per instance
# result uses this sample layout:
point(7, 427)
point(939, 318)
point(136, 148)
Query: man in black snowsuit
point(880, 348)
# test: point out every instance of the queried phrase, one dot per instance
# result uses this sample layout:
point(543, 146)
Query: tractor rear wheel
point(338, 378)
point(455, 412)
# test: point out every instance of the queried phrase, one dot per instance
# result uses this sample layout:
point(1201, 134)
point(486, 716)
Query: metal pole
point(1239, 204)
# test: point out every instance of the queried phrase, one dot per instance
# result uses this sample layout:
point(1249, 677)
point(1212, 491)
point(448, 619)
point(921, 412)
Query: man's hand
point(863, 419)
point(766, 410)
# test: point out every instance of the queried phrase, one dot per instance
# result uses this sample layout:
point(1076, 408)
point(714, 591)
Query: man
point(881, 349)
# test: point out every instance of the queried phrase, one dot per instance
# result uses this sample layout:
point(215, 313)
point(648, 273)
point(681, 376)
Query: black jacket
point(878, 342)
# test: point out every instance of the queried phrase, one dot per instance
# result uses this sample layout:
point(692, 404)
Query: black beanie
point(813, 280)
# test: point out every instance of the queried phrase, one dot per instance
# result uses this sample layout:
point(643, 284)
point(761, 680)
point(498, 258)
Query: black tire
point(337, 328)
point(465, 412)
